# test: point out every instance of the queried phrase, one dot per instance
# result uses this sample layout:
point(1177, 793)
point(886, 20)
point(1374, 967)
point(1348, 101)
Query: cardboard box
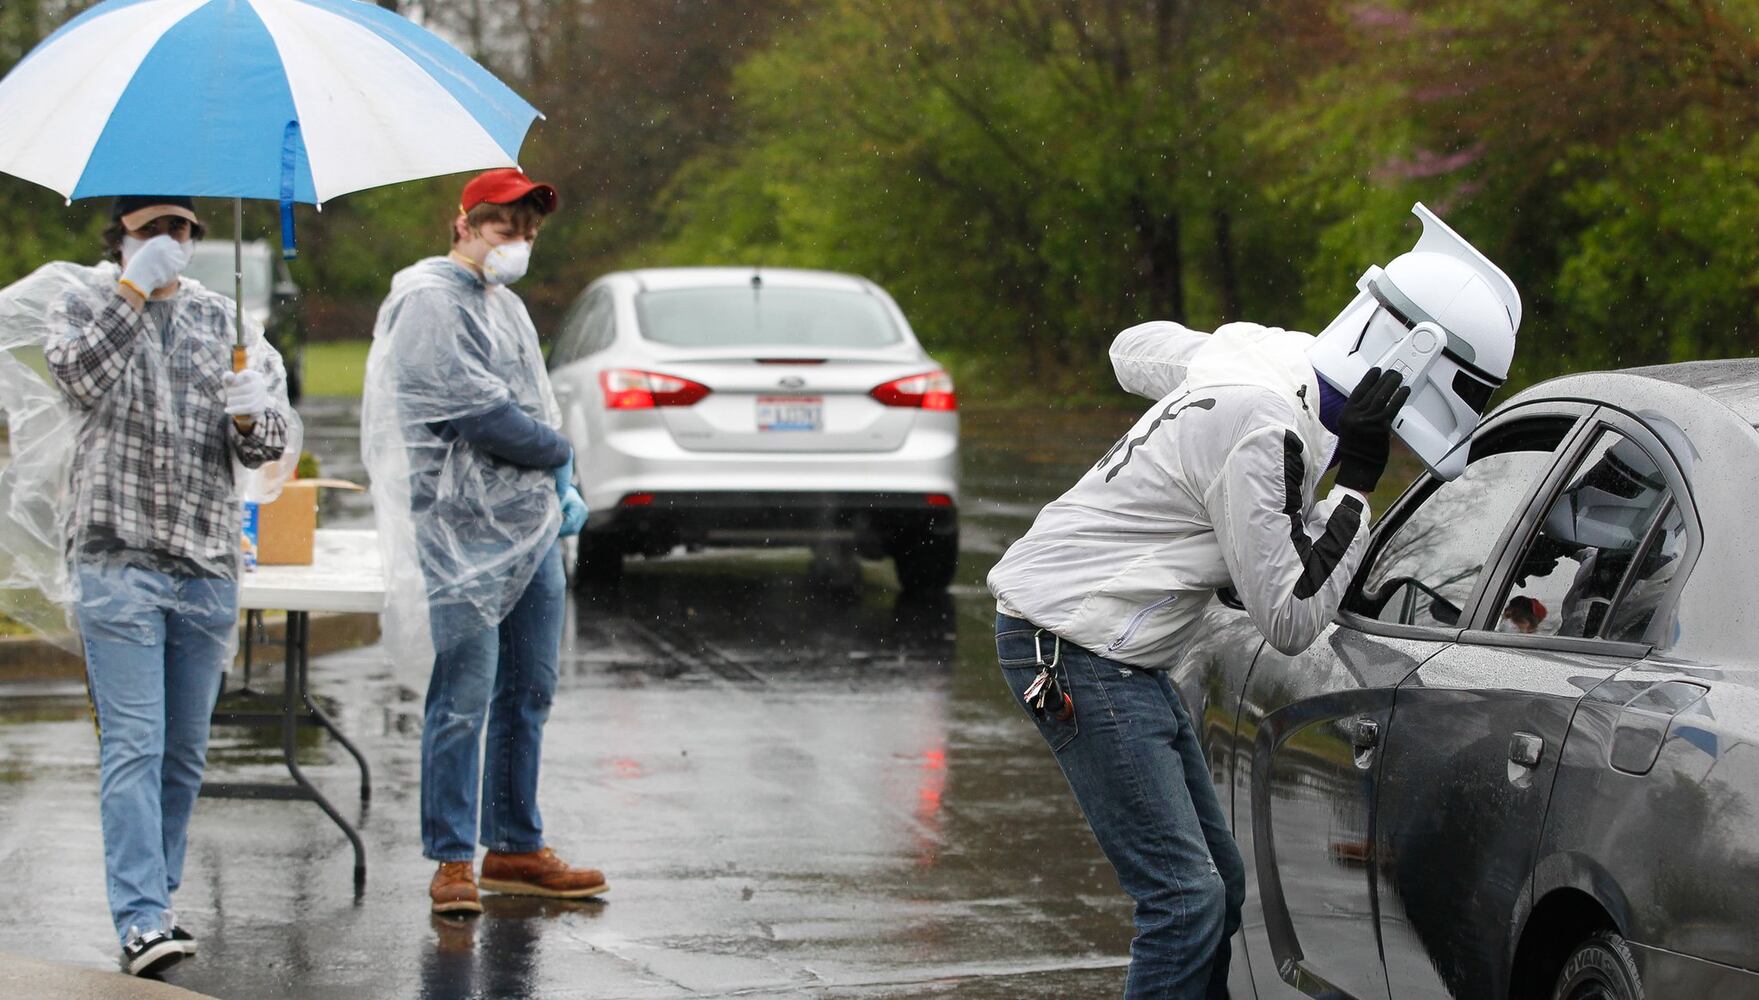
point(287, 527)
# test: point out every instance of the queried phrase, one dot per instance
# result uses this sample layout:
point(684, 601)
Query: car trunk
point(791, 399)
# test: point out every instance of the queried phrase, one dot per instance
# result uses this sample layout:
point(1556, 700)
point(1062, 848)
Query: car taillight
point(633, 389)
point(928, 391)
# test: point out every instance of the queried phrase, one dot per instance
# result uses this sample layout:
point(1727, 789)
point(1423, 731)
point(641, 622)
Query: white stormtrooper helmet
point(1444, 317)
point(1611, 507)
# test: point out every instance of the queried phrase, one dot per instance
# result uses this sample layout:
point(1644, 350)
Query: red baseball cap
point(504, 187)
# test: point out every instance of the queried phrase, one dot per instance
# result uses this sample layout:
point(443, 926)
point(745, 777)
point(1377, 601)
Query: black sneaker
point(185, 940)
point(150, 954)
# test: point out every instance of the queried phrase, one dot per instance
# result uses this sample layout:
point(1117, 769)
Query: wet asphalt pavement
point(796, 789)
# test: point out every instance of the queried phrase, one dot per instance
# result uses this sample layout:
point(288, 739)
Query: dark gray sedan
point(1524, 762)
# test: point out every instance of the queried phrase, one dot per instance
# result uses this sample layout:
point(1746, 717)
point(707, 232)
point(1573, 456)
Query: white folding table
point(345, 576)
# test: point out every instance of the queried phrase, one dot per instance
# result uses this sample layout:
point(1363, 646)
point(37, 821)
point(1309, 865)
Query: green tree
point(39, 225)
point(1028, 178)
point(1600, 151)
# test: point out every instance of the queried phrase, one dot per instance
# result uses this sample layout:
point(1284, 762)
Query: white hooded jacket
point(1213, 486)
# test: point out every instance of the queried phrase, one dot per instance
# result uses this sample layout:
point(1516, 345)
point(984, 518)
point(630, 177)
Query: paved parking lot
point(795, 789)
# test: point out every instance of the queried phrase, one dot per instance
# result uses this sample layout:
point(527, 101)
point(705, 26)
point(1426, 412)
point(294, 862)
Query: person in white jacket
point(1214, 487)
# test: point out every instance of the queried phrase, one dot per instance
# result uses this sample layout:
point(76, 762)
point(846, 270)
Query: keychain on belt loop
point(1045, 687)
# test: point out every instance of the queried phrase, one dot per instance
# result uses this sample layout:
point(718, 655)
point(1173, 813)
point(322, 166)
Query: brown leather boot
point(539, 873)
point(453, 889)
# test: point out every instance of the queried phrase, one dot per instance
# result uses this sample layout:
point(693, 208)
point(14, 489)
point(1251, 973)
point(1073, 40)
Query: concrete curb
point(32, 658)
point(29, 979)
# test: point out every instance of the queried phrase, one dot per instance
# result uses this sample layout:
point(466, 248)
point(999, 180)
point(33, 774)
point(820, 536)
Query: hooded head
point(1445, 318)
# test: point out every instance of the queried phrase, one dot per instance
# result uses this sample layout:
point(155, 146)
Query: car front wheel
point(1600, 968)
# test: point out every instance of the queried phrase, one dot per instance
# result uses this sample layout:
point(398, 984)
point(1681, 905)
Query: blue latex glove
point(573, 505)
point(573, 513)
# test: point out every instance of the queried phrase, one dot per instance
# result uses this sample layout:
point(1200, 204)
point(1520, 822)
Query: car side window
point(1428, 566)
point(581, 329)
point(1571, 568)
point(597, 327)
point(567, 345)
point(1651, 580)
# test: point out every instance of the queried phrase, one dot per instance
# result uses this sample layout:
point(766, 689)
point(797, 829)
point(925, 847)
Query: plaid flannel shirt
point(152, 473)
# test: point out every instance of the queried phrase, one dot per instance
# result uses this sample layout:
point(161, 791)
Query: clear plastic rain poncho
point(62, 453)
point(457, 528)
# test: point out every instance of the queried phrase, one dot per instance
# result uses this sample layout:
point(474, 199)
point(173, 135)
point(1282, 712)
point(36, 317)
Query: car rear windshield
point(752, 317)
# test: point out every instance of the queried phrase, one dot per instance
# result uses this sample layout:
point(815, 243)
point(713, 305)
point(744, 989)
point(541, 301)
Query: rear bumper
point(654, 522)
point(645, 459)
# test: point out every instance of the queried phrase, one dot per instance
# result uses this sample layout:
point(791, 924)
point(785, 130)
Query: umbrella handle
point(244, 424)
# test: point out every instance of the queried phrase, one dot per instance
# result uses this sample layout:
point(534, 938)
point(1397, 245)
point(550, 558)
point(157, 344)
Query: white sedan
point(757, 407)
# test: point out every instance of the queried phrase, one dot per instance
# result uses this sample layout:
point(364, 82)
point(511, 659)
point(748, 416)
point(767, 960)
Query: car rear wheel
point(1600, 968)
point(926, 560)
point(834, 565)
point(600, 563)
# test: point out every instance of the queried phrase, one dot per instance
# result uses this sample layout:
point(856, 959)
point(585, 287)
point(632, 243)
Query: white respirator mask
point(505, 264)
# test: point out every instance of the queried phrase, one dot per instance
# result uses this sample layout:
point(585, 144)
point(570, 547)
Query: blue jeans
point(156, 647)
point(1132, 758)
point(505, 675)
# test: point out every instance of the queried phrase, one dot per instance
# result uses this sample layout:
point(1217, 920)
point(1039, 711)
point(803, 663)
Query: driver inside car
point(1216, 486)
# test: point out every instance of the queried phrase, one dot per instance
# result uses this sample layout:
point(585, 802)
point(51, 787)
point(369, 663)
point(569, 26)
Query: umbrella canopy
point(289, 100)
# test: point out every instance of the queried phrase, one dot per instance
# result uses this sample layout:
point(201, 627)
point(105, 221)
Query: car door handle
point(1366, 735)
point(1526, 749)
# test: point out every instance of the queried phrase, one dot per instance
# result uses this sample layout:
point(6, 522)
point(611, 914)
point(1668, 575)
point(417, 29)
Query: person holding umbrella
point(311, 100)
point(144, 359)
point(473, 489)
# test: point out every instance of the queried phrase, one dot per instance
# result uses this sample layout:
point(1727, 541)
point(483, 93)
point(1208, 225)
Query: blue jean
point(505, 675)
point(1132, 758)
point(156, 647)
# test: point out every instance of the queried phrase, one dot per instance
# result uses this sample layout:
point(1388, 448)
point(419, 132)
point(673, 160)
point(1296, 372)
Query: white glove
point(155, 264)
point(247, 393)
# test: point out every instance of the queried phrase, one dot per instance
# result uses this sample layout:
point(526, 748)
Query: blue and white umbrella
point(288, 100)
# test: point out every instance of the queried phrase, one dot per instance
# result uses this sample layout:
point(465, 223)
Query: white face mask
point(505, 264)
point(131, 246)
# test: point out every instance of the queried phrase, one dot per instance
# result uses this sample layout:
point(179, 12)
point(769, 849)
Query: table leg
point(366, 787)
point(294, 693)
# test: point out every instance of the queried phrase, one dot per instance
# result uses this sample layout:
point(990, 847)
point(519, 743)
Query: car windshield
point(212, 266)
point(749, 317)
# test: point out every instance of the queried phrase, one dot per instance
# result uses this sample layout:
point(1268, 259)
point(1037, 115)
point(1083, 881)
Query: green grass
point(335, 368)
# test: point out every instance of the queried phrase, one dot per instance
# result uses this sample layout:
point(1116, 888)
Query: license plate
point(790, 413)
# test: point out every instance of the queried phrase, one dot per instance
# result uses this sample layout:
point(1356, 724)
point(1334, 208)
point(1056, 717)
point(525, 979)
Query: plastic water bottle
point(248, 544)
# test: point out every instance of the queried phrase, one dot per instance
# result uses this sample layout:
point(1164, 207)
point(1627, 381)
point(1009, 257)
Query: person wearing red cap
point(473, 489)
point(499, 216)
point(1523, 614)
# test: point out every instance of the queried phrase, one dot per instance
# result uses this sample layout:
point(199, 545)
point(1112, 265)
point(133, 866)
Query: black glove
point(1541, 559)
point(1365, 429)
